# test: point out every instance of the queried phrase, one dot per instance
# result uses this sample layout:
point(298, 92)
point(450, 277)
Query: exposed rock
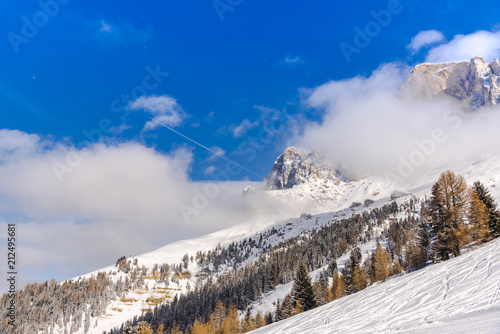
point(355, 205)
point(295, 167)
point(248, 190)
point(368, 202)
point(397, 194)
point(306, 216)
point(476, 82)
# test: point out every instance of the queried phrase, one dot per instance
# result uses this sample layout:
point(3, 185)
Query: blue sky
point(64, 79)
point(84, 86)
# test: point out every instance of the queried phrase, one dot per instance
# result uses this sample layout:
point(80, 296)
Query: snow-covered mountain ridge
point(377, 189)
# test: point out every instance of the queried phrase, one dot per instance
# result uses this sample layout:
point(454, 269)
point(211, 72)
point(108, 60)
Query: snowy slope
point(461, 295)
point(331, 202)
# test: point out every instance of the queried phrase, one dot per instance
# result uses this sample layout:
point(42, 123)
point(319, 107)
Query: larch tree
point(217, 318)
point(478, 219)
point(231, 322)
point(491, 206)
point(449, 205)
point(338, 287)
point(144, 328)
point(382, 266)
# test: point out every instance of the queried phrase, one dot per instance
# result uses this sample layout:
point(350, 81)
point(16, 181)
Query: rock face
point(476, 82)
point(295, 167)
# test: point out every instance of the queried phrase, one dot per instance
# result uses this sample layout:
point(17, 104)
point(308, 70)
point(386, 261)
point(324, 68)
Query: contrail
point(206, 148)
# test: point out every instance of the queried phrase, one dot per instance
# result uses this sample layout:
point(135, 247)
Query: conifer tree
point(359, 279)
point(175, 329)
point(161, 329)
point(248, 324)
point(217, 318)
point(332, 268)
point(449, 203)
point(200, 328)
point(382, 264)
point(424, 236)
point(321, 289)
point(478, 219)
point(353, 262)
point(231, 322)
point(144, 328)
point(338, 287)
point(303, 291)
point(287, 308)
point(491, 206)
point(278, 315)
point(259, 320)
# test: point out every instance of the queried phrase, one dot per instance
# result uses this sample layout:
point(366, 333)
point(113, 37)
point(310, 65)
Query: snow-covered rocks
point(475, 82)
point(296, 167)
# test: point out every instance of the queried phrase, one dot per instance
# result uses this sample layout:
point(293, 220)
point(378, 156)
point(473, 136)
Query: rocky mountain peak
point(295, 167)
point(474, 82)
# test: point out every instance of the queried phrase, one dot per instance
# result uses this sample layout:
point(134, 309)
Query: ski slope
point(461, 295)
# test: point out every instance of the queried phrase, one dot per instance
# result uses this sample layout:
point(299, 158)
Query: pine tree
point(338, 287)
point(353, 262)
point(303, 291)
point(278, 315)
point(321, 289)
point(287, 307)
point(332, 268)
point(491, 206)
point(424, 236)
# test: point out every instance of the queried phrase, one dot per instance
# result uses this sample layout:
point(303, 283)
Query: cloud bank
point(370, 127)
point(114, 199)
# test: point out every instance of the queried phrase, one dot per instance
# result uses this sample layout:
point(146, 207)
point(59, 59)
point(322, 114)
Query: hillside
point(461, 295)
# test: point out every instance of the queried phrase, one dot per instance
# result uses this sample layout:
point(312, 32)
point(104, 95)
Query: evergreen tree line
point(42, 307)
point(274, 267)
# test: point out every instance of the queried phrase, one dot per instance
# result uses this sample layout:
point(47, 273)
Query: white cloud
point(219, 152)
point(291, 60)
point(425, 38)
point(370, 128)
point(209, 170)
point(241, 129)
point(165, 110)
point(464, 47)
point(106, 27)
